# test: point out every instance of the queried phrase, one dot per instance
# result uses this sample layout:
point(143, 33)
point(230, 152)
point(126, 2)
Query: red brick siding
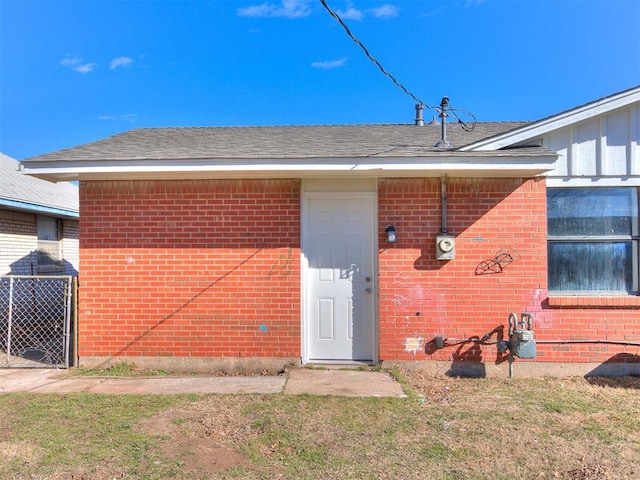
point(190, 268)
point(211, 269)
point(421, 297)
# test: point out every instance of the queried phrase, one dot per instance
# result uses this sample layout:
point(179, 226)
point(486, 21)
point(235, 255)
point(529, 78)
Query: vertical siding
point(586, 159)
point(616, 143)
point(605, 146)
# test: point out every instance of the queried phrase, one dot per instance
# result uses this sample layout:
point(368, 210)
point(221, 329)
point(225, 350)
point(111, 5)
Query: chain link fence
point(35, 321)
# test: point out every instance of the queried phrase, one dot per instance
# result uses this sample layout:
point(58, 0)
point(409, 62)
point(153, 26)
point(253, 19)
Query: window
point(592, 240)
point(49, 254)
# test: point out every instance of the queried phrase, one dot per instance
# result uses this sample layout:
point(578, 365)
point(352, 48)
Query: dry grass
point(448, 428)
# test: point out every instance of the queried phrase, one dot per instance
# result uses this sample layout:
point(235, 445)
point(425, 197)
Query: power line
point(371, 57)
point(442, 110)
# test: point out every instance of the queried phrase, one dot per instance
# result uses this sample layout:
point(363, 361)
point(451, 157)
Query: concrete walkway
point(350, 383)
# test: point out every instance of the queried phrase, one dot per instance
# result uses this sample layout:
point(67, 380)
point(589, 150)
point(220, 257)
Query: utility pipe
point(443, 202)
point(451, 342)
point(419, 120)
point(611, 342)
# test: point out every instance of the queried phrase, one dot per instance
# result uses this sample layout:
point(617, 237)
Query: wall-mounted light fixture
point(392, 235)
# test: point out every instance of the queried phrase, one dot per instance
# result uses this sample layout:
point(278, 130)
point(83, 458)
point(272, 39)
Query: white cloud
point(129, 117)
point(385, 11)
point(71, 60)
point(77, 64)
point(330, 64)
point(286, 9)
point(120, 62)
point(86, 67)
point(350, 14)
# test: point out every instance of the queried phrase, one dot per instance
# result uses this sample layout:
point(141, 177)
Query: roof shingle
point(33, 192)
point(288, 142)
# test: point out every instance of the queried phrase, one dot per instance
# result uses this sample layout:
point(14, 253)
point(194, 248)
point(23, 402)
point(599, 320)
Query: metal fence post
point(10, 319)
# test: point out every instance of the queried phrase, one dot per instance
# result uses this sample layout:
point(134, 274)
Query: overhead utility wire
point(440, 110)
point(371, 57)
point(466, 127)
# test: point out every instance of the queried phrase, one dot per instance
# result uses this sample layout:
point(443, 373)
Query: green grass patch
point(73, 432)
point(461, 429)
point(123, 369)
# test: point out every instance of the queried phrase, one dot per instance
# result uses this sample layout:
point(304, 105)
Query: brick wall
point(470, 296)
point(211, 269)
point(190, 268)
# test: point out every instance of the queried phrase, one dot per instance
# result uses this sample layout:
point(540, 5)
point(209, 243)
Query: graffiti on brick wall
point(498, 263)
point(282, 266)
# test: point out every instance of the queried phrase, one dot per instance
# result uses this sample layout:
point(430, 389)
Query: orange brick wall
point(190, 268)
point(211, 268)
point(421, 298)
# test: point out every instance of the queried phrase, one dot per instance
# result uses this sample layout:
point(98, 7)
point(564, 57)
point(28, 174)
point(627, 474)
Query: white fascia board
point(483, 164)
point(591, 182)
point(555, 122)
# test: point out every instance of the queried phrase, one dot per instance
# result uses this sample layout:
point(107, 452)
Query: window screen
point(592, 239)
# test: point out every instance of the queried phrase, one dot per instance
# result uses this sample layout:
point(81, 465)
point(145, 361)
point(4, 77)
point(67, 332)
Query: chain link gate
point(35, 321)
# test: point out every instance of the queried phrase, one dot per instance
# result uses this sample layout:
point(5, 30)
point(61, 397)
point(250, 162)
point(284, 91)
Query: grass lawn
point(447, 428)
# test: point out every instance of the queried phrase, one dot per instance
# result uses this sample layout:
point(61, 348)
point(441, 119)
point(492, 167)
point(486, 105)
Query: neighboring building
point(251, 247)
point(38, 224)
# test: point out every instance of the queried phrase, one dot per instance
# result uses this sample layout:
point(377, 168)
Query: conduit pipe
point(443, 202)
point(451, 342)
point(611, 342)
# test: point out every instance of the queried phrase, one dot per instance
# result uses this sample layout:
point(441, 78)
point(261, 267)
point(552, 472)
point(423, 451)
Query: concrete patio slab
point(346, 383)
point(350, 383)
point(57, 381)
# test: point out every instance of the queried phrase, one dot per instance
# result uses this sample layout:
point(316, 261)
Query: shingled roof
point(25, 193)
point(329, 141)
point(289, 151)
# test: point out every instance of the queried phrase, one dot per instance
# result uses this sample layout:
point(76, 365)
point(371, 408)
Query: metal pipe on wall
point(609, 342)
point(443, 202)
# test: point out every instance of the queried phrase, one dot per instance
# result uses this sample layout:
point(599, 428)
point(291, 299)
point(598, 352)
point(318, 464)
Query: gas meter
point(522, 341)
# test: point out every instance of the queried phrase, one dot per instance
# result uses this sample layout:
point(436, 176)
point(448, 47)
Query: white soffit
point(503, 164)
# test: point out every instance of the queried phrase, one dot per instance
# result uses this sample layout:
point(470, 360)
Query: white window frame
point(634, 238)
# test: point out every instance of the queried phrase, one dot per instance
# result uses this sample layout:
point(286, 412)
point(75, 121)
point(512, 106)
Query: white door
point(338, 245)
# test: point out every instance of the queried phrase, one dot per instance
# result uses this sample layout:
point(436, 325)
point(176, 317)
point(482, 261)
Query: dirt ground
point(200, 441)
point(191, 436)
point(194, 447)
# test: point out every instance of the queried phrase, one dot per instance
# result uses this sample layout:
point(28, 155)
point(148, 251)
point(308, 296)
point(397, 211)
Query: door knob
point(368, 290)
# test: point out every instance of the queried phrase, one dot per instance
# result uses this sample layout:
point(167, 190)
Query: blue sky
point(72, 72)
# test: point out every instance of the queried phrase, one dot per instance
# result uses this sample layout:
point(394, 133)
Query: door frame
point(332, 192)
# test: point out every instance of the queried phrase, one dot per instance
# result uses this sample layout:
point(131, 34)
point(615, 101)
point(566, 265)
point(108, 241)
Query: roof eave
point(504, 164)
point(555, 122)
point(40, 209)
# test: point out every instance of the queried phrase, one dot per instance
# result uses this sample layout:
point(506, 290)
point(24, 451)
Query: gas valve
point(522, 341)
